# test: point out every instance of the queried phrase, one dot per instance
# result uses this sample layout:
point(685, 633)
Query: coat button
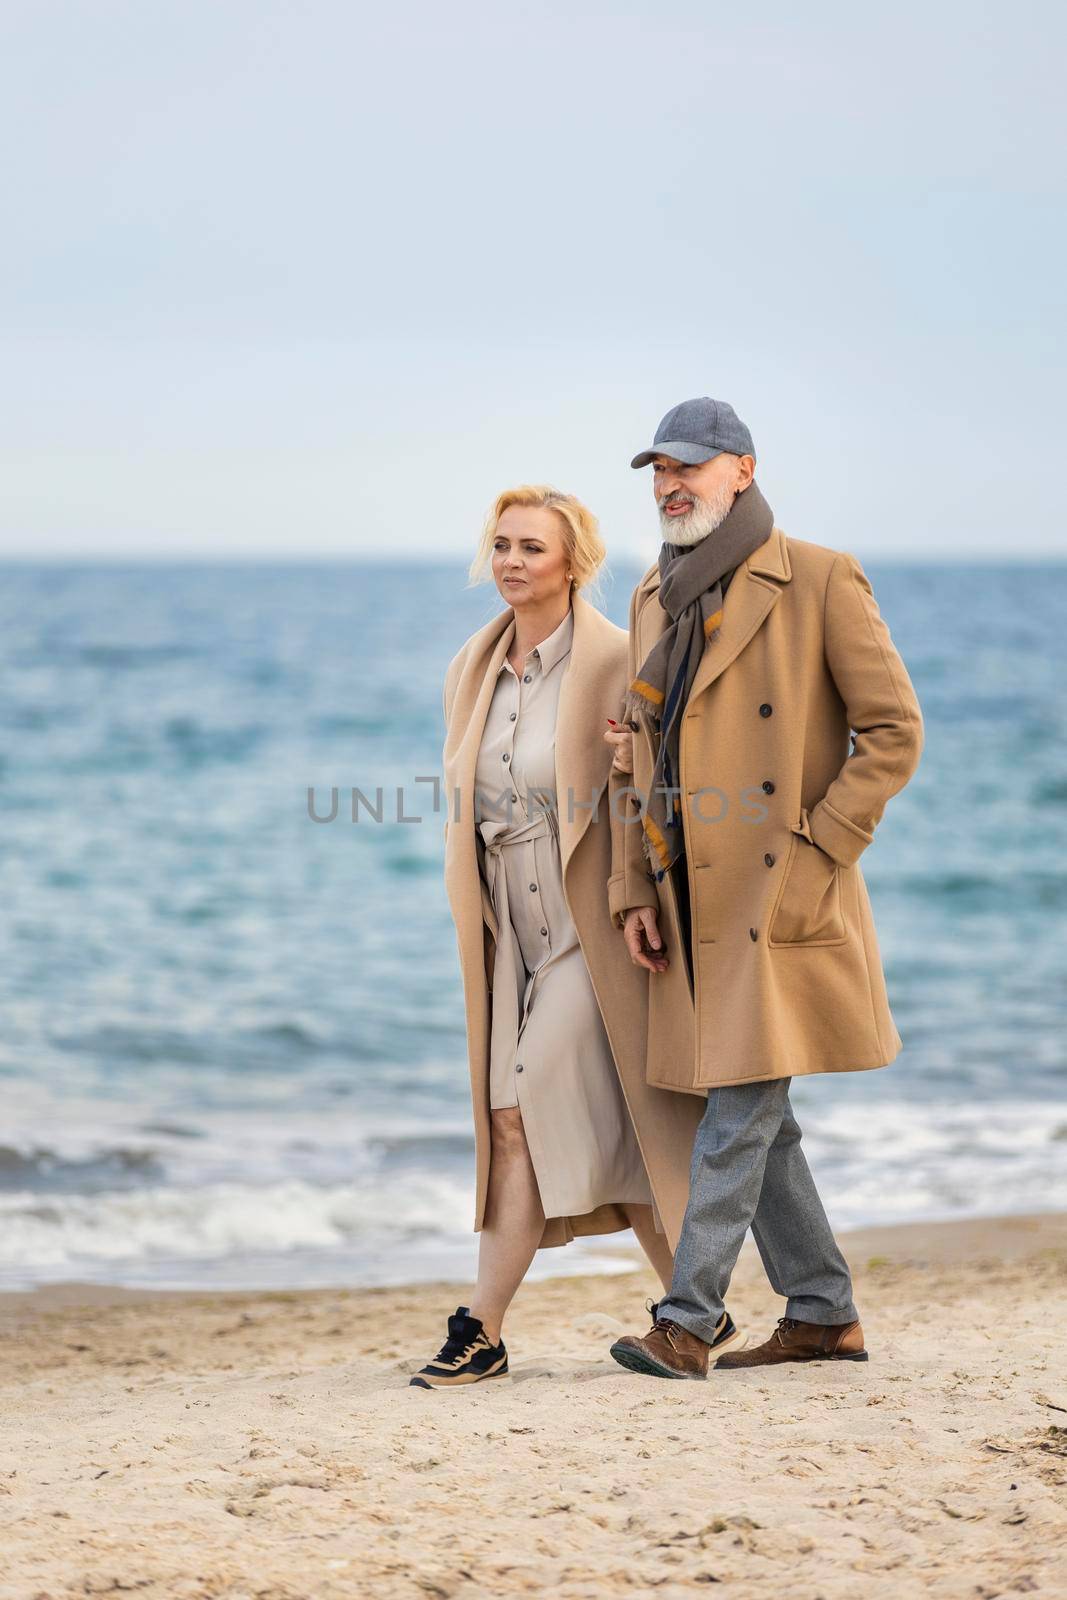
point(518, 1066)
point(545, 932)
point(533, 888)
point(769, 859)
point(768, 786)
point(765, 709)
point(505, 758)
point(752, 933)
point(526, 677)
point(512, 715)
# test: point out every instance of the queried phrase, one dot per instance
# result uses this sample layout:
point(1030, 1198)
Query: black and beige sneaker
point(465, 1357)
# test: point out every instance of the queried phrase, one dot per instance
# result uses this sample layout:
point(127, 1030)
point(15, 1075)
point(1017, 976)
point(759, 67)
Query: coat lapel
point(582, 758)
point(474, 694)
point(586, 698)
point(749, 600)
point(470, 708)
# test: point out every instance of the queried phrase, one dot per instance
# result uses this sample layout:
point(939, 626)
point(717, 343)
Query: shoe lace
point(666, 1326)
point(652, 1307)
point(455, 1350)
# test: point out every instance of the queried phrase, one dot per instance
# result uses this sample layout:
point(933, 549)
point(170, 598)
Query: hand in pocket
point(809, 904)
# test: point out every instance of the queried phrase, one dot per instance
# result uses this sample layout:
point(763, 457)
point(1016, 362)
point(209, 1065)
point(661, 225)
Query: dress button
point(545, 932)
point(526, 677)
point(768, 786)
point(533, 888)
point(512, 715)
point(514, 797)
point(752, 933)
point(518, 1066)
point(769, 859)
point(505, 758)
point(765, 709)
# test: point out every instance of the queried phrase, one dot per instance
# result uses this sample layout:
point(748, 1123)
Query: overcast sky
point(318, 279)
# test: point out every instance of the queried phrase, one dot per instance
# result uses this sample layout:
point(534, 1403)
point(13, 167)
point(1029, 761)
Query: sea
point(231, 1028)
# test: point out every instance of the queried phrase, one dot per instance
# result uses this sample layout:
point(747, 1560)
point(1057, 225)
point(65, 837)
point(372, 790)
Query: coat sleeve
point(629, 884)
point(882, 710)
point(448, 695)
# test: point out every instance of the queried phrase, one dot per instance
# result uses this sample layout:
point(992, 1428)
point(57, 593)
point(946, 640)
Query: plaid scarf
point(693, 581)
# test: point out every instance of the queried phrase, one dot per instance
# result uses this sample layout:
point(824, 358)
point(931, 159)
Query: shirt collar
point(552, 649)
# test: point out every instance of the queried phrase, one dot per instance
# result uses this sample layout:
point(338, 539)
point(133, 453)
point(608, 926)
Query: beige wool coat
point(777, 811)
point(592, 690)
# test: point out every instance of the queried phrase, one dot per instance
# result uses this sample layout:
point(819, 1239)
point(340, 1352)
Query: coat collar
point(589, 692)
point(771, 560)
point(768, 560)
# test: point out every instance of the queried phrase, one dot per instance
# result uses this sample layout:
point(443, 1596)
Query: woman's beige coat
point(777, 811)
point(592, 690)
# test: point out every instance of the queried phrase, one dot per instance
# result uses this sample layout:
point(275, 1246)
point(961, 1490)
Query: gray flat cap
point(699, 430)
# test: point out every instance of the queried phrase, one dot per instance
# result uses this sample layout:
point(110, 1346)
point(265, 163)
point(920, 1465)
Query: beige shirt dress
point(549, 1053)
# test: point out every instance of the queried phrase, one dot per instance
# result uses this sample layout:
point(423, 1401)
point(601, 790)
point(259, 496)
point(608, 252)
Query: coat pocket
point(808, 907)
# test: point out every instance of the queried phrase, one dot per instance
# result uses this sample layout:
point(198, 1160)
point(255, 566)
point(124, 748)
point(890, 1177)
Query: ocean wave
point(1050, 791)
point(1010, 892)
point(276, 1198)
point(196, 744)
point(336, 724)
point(881, 1161)
point(266, 1043)
point(411, 866)
point(222, 1221)
point(127, 657)
point(45, 1170)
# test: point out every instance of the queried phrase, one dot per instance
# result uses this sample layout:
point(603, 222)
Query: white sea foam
point(882, 1160)
point(309, 1199)
point(220, 1221)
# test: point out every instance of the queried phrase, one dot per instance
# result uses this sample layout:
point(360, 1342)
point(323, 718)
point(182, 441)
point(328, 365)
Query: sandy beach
point(267, 1445)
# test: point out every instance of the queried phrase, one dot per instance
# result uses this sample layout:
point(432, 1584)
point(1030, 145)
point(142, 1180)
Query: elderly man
point(736, 879)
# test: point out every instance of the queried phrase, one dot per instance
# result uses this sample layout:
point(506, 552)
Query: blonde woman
point(569, 1137)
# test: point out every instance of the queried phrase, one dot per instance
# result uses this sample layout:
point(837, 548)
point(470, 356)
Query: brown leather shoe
point(671, 1351)
point(802, 1341)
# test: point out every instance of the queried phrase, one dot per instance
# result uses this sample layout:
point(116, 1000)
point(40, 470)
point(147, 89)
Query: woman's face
point(530, 563)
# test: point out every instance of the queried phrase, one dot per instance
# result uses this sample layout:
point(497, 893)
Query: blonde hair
point(581, 531)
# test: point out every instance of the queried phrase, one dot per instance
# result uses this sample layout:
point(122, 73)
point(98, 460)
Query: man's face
point(693, 501)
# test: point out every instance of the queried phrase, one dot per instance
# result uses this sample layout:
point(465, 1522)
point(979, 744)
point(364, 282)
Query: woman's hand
point(620, 736)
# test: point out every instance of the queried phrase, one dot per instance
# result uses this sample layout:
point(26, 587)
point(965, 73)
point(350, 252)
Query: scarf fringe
point(635, 708)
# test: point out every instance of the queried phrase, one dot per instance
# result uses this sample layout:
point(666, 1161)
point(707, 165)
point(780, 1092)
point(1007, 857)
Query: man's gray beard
point(704, 518)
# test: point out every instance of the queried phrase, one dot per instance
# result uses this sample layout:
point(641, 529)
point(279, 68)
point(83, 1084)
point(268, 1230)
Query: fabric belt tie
point(512, 993)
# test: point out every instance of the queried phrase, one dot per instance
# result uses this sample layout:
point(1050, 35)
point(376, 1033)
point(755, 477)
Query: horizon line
point(330, 558)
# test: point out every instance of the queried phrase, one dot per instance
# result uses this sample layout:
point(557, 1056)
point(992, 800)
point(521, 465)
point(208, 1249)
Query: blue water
point(232, 1048)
